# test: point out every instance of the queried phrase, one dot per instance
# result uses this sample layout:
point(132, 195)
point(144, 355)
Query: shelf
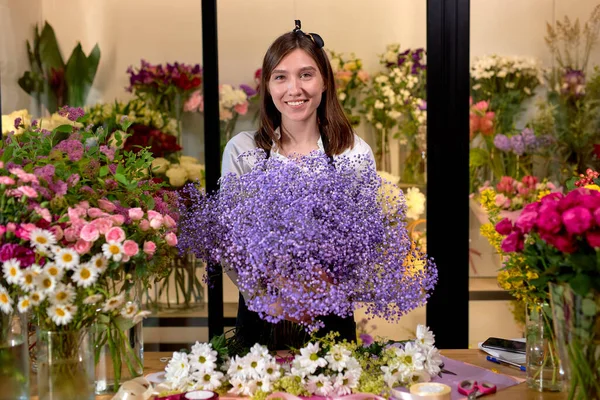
point(196, 317)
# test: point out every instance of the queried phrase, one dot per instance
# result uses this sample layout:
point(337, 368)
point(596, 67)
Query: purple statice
point(517, 144)
point(72, 113)
point(303, 232)
point(109, 152)
point(46, 172)
point(73, 148)
point(502, 142)
point(34, 123)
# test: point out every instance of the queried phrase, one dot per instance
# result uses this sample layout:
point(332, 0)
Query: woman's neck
point(299, 137)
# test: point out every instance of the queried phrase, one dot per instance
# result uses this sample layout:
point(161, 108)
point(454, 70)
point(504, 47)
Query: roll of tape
point(431, 391)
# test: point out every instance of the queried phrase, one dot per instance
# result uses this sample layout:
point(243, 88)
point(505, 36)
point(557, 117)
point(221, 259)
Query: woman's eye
point(278, 77)
point(306, 75)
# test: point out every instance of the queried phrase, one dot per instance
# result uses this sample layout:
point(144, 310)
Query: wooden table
point(152, 364)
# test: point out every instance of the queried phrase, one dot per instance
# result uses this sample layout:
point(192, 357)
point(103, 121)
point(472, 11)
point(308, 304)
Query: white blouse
point(244, 141)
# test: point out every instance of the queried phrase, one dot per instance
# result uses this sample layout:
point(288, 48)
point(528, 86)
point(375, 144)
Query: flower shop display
point(350, 80)
point(283, 256)
point(81, 224)
point(395, 106)
point(322, 367)
point(53, 82)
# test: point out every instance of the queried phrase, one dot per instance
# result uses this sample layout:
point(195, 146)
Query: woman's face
point(296, 86)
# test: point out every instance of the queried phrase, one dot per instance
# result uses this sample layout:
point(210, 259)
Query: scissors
point(473, 389)
point(443, 370)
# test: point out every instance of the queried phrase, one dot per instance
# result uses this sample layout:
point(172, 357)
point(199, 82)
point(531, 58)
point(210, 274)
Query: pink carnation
point(57, 231)
point(27, 191)
point(90, 233)
point(549, 222)
point(96, 213)
point(102, 224)
point(149, 248)
point(144, 225)
point(577, 220)
point(169, 222)
point(115, 235)
point(513, 242)
point(6, 180)
point(82, 246)
point(504, 227)
point(136, 213)
point(130, 248)
point(171, 239)
point(526, 220)
point(117, 219)
point(106, 205)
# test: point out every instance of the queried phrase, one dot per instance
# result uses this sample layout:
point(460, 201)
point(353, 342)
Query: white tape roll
point(431, 391)
point(135, 389)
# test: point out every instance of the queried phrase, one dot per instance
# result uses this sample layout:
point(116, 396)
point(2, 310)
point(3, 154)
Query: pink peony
point(144, 225)
point(71, 234)
point(136, 213)
point(57, 231)
point(591, 202)
point(566, 244)
point(171, 239)
point(130, 248)
point(550, 222)
point(149, 248)
point(577, 220)
point(90, 233)
point(96, 213)
point(504, 227)
point(6, 180)
point(241, 109)
point(593, 238)
point(82, 246)
point(526, 220)
point(513, 242)
point(156, 223)
point(27, 191)
point(169, 222)
point(115, 235)
point(106, 205)
point(102, 224)
point(117, 219)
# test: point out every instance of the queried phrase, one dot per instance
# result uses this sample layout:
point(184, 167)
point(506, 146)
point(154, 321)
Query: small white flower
point(36, 297)
point(208, 380)
point(113, 251)
point(433, 361)
point(41, 238)
point(99, 262)
point(203, 358)
point(140, 316)
point(344, 383)
point(66, 258)
point(85, 276)
point(272, 370)
point(236, 367)
point(28, 281)
point(425, 337)
point(259, 350)
point(63, 294)
point(45, 283)
point(60, 314)
point(309, 357)
point(93, 299)
point(241, 388)
point(130, 310)
point(264, 384)
point(5, 301)
point(54, 271)
point(337, 357)
point(114, 302)
point(412, 356)
point(12, 271)
point(320, 385)
point(253, 365)
point(24, 304)
point(178, 370)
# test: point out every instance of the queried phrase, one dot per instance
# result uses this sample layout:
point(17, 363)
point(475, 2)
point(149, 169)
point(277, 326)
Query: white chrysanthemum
point(264, 384)
point(236, 367)
point(60, 314)
point(309, 357)
point(42, 239)
point(272, 370)
point(433, 361)
point(320, 385)
point(54, 271)
point(85, 276)
point(337, 357)
point(66, 258)
point(393, 372)
point(412, 356)
point(178, 370)
point(114, 302)
point(298, 370)
point(203, 358)
point(11, 270)
point(93, 299)
point(113, 251)
point(130, 310)
point(36, 297)
point(24, 304)
point(71, 308)
point(63, 294)
point(140, 316)
point(45, 283)
point(5, 301)
point(242, 387)
point(353, 367)
point(99, 262)
point(425, 337)
point(259, 350)
point(208, 380)
point(344, 383)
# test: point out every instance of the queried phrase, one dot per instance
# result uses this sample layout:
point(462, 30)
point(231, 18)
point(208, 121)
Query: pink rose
point(549, 222)
point(577, 220)
point(6, 180)
point(90, 233)
point(102, 224)
point(566, 244)
point(241, 109)
point(169, 222)
point(58, 232)
point(106, 205)
point(156, 223)
point(149, 248)
point(513, 242)
point(136, 213)
point(82, 246)
point(44, 213)
point(502, 201)
point(27, 191)
point(526, 220)
point(130, 248)
point(144, 225)
point(71, 234)
point(96, 213)
point(115, 235)
point(117, 219)
point(153, 214)
point(84, 205)
point(504, 227)
point(363, 75)
point(11, 227)
point(194, 102)
point(593, 238)
point(171, 239)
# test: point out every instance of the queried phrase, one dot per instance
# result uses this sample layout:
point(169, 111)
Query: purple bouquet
point(307, 238)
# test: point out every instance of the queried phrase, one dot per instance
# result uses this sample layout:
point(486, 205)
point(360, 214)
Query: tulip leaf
point(79, 74)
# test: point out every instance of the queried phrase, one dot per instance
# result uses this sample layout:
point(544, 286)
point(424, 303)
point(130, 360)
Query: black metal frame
point(448, 168)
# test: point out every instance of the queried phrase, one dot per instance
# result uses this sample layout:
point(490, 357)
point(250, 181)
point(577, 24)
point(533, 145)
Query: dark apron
point(251, 329)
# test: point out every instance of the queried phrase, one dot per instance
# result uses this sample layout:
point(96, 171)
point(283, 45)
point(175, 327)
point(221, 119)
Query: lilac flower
point(329, 243)
point(34, 123)
point(108, 152)
point(46, 172)
point(530, 140)
point(73, 148)
point(517, 144)
point(17, 122)
point(73, 180)
point(59, 188)
point(502, 142)
point(72, 113)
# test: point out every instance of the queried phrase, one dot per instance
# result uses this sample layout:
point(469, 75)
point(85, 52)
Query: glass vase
point(543, 364)
point(65, 363)
point(14, 356)
point(577, 328)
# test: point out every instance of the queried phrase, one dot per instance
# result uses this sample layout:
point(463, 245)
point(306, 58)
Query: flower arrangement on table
point(80, 223)
point(323, 367)
point(350, 80)
point(332, 239)
point(394, 103)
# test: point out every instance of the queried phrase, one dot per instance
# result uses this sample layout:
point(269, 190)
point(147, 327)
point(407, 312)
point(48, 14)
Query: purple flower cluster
point(309, 239)
point(72, 147)
point(573, 83)
point(521, 143)
point(72, 113)
point(416, 56)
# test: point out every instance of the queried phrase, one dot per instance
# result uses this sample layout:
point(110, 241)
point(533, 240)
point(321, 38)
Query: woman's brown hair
point(332, 121)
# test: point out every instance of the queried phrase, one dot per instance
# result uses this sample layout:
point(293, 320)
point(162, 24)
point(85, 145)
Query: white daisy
point(259, 350)
point(36, 297)
point(240, 387)
point(41, 238)
point(54, 271)
point(45, 283)
point(433, 361)
point(71, 308)
point(236, 367)
point(63, 294)
point(413, 356)
point(320, 385)
point(12, 271)
point(272, 370)
point(203, 358)
point(140, 316)
point(253, 366)
point(24, 304)
point(113, 251)
point(177, 370)
point(309, 357)
point(114, 302)
point(36, 269)
point(337, 357)
point(129, 310)
point(264, 384)
point(28, 280)
point(93, 299)
point(425, 337)
point(344, 383)
point(208, 380)
point(99, 262)
point(66, 258)
point(84, 275)
point(60, 314)
point(5, 301)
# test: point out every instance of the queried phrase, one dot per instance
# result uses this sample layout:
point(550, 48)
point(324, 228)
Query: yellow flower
point(160, 165)
point(545, 193)
point(188, 160)
point(488, 198)
point(350, 66)
point(532, 275)
point(177, 176)
point(489, 232)
point(593, 187)
point(8, 121)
